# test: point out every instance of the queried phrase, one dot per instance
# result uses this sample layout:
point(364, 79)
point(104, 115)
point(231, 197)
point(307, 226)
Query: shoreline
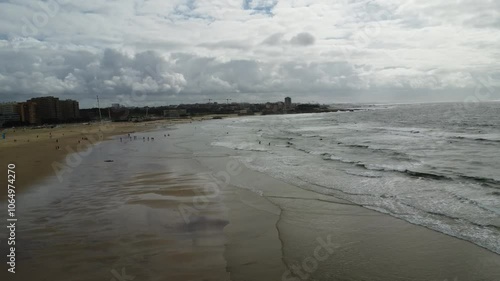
point(366, 244)
point(254, 227)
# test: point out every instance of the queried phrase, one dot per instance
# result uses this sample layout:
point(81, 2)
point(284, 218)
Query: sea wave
point(477, 139)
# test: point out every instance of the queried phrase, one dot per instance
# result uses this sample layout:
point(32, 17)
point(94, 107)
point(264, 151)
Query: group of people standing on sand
point(143, 138)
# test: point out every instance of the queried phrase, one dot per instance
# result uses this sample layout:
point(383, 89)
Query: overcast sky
point(156, 52)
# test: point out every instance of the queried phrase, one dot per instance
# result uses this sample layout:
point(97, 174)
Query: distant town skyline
point(187, 51)
point(52, 110)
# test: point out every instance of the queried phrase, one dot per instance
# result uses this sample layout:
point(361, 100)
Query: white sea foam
point(411, 172)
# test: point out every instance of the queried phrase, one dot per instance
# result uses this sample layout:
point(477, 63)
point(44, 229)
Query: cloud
point(227, 44)
point(82, 73)
point(192, 50)
point(274, 39)
point(303, 39)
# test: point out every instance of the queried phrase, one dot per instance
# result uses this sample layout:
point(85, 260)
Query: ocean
point(434, 165)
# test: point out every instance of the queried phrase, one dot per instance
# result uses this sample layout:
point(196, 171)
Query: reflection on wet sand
point(149, 216)
point(121, 220)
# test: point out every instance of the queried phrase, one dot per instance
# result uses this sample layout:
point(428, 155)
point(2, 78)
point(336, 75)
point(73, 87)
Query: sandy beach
point(177, 208)
point(37, 152)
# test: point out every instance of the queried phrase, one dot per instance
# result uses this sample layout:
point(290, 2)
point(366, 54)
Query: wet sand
point(178, 209)
point(34, 151)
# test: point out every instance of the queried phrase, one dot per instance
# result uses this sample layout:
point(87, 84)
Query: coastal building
point(9, 112)
point(8, 108)
point(39, 110)
point(48, 109)
point(70, 110)
point(27, 112)
point(288, 103)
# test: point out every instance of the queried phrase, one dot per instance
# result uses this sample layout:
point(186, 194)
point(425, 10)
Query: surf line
point(315, 199)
